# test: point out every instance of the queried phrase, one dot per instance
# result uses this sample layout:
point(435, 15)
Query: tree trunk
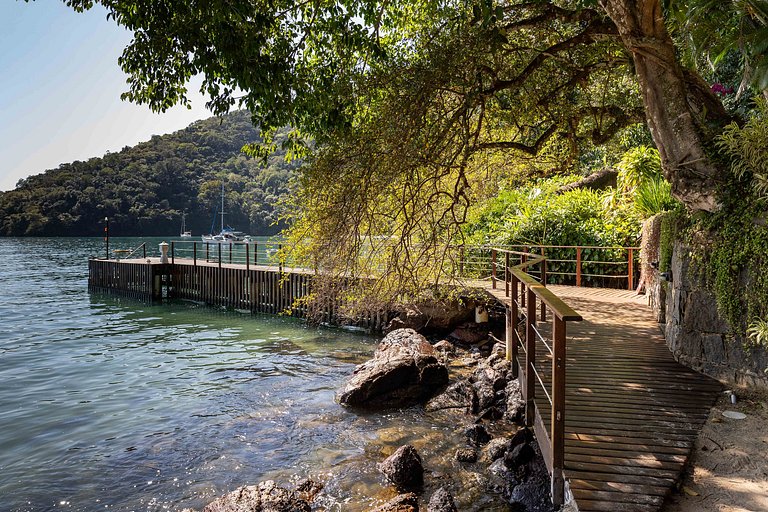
point(683, 113)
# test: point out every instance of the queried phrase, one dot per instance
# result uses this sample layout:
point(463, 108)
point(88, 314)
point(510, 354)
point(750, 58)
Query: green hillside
point(145, 189)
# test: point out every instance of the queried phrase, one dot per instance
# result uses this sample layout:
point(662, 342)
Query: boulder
point(519, 456)
point(403, 468)
point(266, 497)
point(432, 317)
point(404, 370)
point(495, 449)
point(466, 455)
point(471, 333)
point(441, 501)
point(408, 502)
point(459, 396)
point(515, 403)
point(477, 435)
point(445, 346)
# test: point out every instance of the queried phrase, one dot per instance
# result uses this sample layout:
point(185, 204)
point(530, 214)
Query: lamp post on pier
point(106, 236)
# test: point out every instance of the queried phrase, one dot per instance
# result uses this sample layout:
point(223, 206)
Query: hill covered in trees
point(145, 189)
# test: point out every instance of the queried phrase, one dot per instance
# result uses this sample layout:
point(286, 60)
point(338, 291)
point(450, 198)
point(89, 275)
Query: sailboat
point(227, 234)
point(184, 232)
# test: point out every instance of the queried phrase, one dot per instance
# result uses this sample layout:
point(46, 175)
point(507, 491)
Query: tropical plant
point(747, 148)
point(654, 196)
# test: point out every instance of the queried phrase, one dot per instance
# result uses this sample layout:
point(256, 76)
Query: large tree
point(414, 105)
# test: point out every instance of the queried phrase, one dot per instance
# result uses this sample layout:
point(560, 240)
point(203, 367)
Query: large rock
point(404, 469)
point(265, 497)
point(432, 317)
point(441, 501)
point(404, 370)
point(459, 396)
point(408, 502)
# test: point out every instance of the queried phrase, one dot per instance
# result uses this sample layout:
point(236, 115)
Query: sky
point(60, 88)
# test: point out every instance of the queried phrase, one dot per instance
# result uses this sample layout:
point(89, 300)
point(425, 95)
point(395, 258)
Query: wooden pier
point(614, 414)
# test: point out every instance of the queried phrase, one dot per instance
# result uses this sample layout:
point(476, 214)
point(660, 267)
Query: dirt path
point(729, 467)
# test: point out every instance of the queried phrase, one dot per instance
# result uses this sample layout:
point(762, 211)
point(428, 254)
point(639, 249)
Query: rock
point(403, 468)
point(500, 478)
point(471, 333)
point(308, 489)
point(441, 501)
point(515, 403)
point(404, 370)
point(460, 395)
point(495, 449)
point(523, 435)
point(532, 493)
point(466, 455)
point(432, 317)
point(445, 346)
point(485, 395)
point(408, 502)
point(266, 497)
point(519, 456)
point(477, 435)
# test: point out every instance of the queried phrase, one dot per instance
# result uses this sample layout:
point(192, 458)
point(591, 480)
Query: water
point(110, 404)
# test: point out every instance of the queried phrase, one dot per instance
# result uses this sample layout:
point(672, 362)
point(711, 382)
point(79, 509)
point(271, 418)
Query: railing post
point(247, 257)
point(523, 288)
point(255, 253)
point(461, 260)
point(207, 252)
point(230, 253)
point(544, 283)
point(144, 245)
point(630, 270)
point(530, 358)
point(506, 274)
point(493, 268)
point(219, 246)
point(578, 266)
point(558, 410)
point(173, 252)
point(280, 257)
point(512, 322)
point(194, 253)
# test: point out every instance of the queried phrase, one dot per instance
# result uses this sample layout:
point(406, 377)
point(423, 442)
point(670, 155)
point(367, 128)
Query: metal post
point(493, 268)
point(530, 358)
point(630, 270)
point(280, 257)
point(512, 326)
point(106, 237)
point(144, 246)
point(578, 266)
point(207, 253)
point(506, 274)
point(173, 252)
point(255, 253)
point(247, 257)
point(558, 410)
point(230, 252)
point(219, 246)
point(194, 253)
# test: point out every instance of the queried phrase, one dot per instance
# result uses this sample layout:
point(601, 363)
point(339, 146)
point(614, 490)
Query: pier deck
point(632, 413)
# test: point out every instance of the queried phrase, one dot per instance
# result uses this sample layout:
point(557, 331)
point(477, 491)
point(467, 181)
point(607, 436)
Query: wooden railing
point(604, 267)
point(525, 293)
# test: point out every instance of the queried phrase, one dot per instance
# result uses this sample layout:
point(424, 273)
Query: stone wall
point(695, 333)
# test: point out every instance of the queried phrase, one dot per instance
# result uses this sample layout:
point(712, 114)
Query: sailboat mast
point(222, 206)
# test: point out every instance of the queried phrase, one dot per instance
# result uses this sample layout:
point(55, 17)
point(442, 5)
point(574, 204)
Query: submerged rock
point(404, 370)
point(264, 497)
point(408, 502)
point(441, 501)
point(477, 435)
point(403, 468)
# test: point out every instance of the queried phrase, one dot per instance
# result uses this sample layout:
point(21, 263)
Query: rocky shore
point(463, 377)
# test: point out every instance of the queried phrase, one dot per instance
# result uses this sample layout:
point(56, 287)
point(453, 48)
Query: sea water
point(115, 404)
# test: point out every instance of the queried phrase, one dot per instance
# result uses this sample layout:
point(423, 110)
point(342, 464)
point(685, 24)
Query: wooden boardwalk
point(632, 413)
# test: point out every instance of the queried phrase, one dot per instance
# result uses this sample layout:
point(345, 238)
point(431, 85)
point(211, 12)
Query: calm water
point(119, 405)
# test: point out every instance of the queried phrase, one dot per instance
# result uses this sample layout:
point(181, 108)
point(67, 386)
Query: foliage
point(715, 29)
point(539, 214)
point(747, 149)
point(757, 332)
point(654, 196)
point(145, 189)
point(637, 166)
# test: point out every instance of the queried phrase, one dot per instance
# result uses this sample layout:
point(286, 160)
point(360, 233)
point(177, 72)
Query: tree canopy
point(416, 109)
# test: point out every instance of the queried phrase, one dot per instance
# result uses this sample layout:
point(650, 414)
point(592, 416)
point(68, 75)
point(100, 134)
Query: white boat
point(184, 232)
point(227, 235)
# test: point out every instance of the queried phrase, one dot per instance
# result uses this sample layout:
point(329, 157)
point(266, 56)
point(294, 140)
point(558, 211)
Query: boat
point(184, 232)
point(227, 234)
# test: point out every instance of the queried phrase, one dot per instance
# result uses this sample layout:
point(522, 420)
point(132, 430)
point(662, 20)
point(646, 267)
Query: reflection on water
point(108, 403)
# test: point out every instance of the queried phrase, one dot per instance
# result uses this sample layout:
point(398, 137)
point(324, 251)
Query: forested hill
point(145, 189)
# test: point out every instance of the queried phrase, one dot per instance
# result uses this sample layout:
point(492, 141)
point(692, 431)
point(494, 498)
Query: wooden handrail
point(517, 280)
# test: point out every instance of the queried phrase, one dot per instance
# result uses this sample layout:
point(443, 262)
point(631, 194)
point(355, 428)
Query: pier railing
point(537, 349)
point(593, 266)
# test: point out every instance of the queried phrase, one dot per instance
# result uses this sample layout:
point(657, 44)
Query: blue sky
point(60, 90)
